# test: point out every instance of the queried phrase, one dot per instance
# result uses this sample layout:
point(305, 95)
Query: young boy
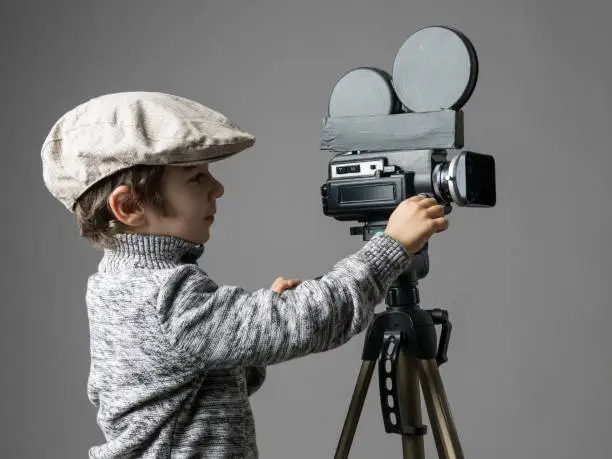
point(174, 356)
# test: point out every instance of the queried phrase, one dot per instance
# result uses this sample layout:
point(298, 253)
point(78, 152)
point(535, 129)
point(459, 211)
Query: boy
point(174, 356)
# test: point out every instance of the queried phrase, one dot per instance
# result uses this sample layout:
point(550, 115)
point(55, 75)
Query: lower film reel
point(364, 91)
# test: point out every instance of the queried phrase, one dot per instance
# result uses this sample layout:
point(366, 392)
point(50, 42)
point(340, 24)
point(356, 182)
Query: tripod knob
point(440, 317)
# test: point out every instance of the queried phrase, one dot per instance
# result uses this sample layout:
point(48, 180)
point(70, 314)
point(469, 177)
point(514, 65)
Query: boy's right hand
point(414, 221)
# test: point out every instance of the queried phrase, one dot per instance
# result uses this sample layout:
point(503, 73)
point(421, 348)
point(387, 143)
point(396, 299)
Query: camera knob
point(324, 190)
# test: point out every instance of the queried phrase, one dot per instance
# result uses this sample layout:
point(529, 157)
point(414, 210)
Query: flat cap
point(121, 130)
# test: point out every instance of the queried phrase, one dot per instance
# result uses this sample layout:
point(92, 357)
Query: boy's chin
point(204, 238)
point(197, 238)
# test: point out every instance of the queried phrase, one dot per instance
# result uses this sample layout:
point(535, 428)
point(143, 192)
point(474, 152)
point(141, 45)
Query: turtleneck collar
point(149, 251)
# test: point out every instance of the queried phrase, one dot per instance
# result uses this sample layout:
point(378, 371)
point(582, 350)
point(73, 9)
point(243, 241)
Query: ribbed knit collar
point(149, 251)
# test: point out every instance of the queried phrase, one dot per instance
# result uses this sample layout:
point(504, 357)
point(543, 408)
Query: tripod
point(405, 337)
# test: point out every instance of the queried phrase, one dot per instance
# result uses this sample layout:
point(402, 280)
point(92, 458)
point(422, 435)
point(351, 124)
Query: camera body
point(367, 187)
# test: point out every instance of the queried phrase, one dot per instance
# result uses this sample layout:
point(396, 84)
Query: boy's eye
point(196, 177)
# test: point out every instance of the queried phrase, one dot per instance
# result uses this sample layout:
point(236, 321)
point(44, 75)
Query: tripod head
point(403, 296)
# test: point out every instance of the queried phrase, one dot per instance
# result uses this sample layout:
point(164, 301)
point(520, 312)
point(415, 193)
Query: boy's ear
point(125, 207)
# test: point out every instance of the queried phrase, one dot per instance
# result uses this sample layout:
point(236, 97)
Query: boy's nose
point(220, 190)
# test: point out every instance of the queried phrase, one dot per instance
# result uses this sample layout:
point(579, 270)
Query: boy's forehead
point(188, 169)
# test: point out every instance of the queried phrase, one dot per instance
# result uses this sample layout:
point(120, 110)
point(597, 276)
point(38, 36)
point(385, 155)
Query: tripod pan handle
point(440, 317)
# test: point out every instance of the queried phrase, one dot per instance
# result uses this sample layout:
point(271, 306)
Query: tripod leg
point(440, 416)
point(355, 407)
point(409, 398)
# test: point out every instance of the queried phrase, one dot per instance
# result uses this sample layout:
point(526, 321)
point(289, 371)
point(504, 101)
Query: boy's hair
point(95, 218)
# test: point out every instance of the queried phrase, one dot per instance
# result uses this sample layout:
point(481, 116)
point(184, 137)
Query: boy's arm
point(225, 326)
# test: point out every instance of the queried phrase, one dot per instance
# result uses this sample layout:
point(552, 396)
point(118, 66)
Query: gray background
point(526, 283)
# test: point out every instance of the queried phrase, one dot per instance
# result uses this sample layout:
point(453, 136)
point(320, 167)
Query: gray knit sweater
point(174, 356)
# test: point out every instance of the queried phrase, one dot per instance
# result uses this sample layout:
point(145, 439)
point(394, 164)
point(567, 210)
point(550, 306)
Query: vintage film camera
point(391, 134)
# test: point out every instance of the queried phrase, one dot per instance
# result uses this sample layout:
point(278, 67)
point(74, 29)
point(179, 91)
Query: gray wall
point(526, 283)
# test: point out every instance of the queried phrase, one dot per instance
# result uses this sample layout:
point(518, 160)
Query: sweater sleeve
point(255, 377)
point(221, 326)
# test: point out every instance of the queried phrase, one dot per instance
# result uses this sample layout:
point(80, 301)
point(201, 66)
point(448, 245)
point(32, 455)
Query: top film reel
point(435, 69)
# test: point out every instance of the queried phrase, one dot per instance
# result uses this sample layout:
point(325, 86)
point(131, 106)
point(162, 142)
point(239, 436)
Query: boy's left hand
point(281, 284)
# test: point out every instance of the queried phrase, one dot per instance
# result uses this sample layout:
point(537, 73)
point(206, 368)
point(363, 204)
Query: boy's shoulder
point(162, 287)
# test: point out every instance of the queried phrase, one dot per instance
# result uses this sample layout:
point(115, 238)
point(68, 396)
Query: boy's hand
point(415, 220)
point(281, 284)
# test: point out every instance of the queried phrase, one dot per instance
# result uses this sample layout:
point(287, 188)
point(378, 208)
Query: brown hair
point(95, 218)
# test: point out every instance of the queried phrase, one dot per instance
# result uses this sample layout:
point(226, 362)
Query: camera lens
point(467, 180)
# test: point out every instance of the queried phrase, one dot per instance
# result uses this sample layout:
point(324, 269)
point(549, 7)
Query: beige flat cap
point(117, 131)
